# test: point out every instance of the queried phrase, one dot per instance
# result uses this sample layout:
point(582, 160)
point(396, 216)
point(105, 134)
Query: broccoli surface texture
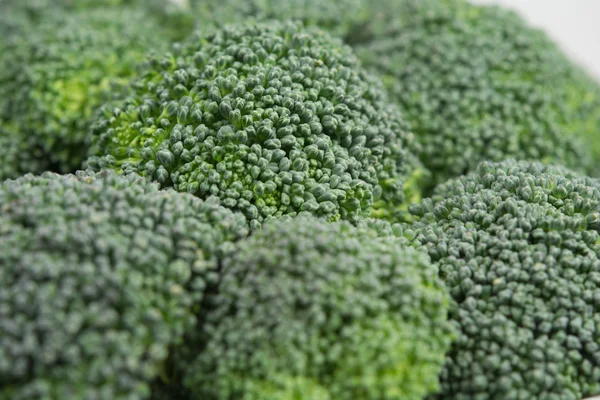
point(342, 18)
point(100, 274)
point(295, 200)
point(517, 245)
point(56, 71)
point(272, 118)
point(20, 154)
point(306, 309)
point(478, 84)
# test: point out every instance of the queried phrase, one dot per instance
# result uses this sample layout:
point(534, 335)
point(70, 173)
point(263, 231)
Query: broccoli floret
point(517, 245)
point(306, 309)
point(172, 17)
point(54, 73)
point(99, 275)
point(38, 8)
point(478, 84)
point(20, 154)
point(342, 18)
point(272, 118)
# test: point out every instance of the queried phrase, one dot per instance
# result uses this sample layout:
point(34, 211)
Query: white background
point(574, 24)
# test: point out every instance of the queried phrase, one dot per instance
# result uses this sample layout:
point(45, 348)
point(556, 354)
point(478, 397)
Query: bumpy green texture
point(173, 17)
point(272, 118)
point(19, 154)
point(99, 275)
point(57, 71)
point(307, 309)
point(37, 8)
point(343, 18)
point(478, 84)
point(517, 244)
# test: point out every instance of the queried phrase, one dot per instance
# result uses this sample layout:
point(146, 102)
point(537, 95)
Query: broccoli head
point(306, 309)
point(55, 72)
point(478, 84)
point(272, 118)
point(100, 274)
point(517, 244)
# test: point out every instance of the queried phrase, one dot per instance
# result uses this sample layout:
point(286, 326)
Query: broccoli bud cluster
point(342, 18)
point(100, 274)
point(306, 309)
point(478, 84)
point(20, 154)
point(272, 118)
point(55, 72)
point(517, 245)
point(242, 228)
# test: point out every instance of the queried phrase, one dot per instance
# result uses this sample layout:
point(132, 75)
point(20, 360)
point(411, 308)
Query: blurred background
point(574, 24)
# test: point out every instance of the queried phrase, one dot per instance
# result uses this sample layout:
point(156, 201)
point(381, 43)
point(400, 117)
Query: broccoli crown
point(99, 274)
point(54, 73)
point(315, 310)
point(271, 117)
point(478, 84)
point(517, 245)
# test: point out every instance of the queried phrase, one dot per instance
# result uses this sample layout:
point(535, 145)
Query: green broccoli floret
point(272, 118)
point(478, 84)
point(38, 8)
point(100, 274)
point(517, 244)
point(306, 309)
point(19, 154)
point(342, 18)
point(172, 17)
point(56, 72)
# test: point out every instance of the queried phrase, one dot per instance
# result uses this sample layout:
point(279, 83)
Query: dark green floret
point(99, 275)
point(40, 8)
point(272, 118)
point(306, 309)
point(517, 245)
point(347, 19)
point(55, 72)
point(172, 18)
point(19, 154)
point(478, 84)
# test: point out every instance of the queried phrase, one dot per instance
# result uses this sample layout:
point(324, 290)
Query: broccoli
point(54, 73)
point(272, 118)
point(306, 309)
point(40, 8)
point(173, 17)
point(478, 84)
point(517, 245)
point(100, 274)
point(20, 154)
point(342, 18)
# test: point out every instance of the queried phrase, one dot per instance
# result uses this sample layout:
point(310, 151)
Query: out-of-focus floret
point(55, 72)
point(347, 19)
point(306, 309)
point(19, 154)
point(478, 84)
point(272, 118)
point(173, 18)
point(100, 274)
point(517, 245)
